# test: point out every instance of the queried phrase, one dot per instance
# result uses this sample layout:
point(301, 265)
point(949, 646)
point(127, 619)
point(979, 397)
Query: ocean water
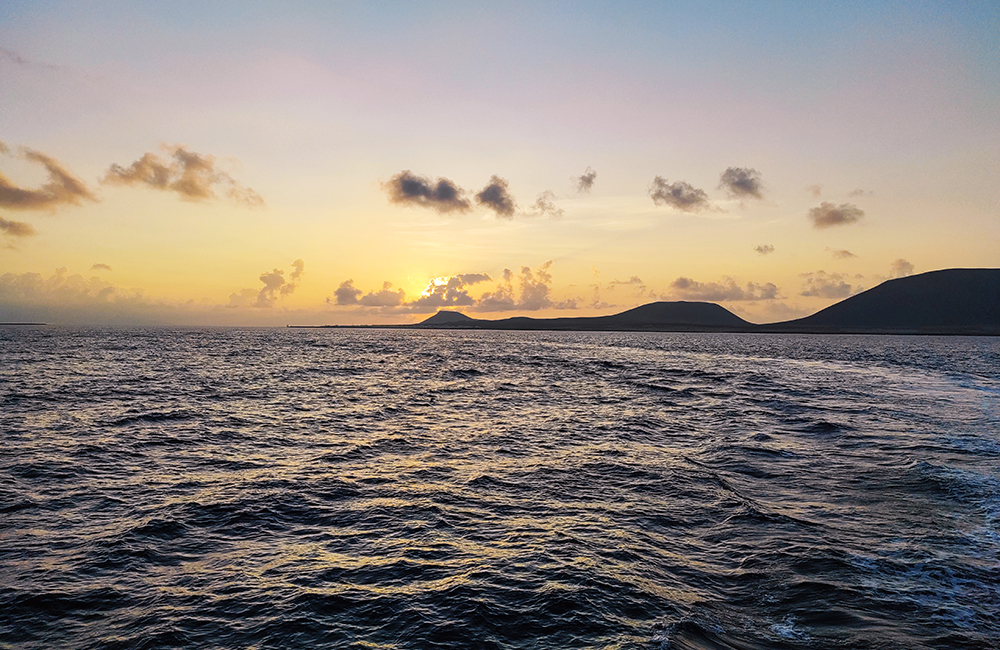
point(389, 489)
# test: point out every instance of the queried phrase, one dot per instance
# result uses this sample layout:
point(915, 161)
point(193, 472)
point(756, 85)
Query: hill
point(952, 301)
point(657, 316)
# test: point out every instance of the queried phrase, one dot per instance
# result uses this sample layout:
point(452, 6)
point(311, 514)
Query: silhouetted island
point(952, 301)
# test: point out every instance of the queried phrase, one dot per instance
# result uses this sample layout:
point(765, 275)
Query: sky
point(231, 163)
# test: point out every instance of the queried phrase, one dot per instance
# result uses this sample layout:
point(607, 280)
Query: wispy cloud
point(192, 176)
point(63, 187)
point(585, 181)
point(764, 249)
point(741, 183)
point(727, 290)
point(24, 62)
point(815, 190)
point(900, 269)
point(679, 195)
point(841, 253)
point(16, 228)
point(828, 214)
point(496, 197)
point(545, 205)
point(100, 267)
point(406, 188)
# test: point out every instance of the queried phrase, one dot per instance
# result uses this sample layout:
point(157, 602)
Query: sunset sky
point(236, 163)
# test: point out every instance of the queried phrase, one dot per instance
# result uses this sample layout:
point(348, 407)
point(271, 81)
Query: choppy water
point(390, 489)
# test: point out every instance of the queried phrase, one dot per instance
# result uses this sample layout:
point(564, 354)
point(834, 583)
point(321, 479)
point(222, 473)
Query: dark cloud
point(100, 267)
point(741, 183)
point(828, 214)
point(827, 285)
point(679, 195)
point(190, 175)
point(815, 190)
point(764, 249)
point(545, 205)
point(16, 228)
point(496, 197)
point(407, 188)
point(275, 286)
point(723, 291)
point(841, 253)
point(585, 181)
point(900, 269)
point(63, 187)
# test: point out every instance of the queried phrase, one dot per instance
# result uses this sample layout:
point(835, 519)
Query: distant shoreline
point(762, 329)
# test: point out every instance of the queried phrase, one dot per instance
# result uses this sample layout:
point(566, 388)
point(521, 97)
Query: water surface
point(269, 488)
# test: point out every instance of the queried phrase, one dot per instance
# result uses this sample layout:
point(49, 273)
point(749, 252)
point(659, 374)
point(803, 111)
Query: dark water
point(390, 489)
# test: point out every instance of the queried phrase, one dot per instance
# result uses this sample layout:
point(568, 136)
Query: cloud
point(741, 183)
point(727, 290)
point(496, 197)
point(61, 290)
point(406, 188)
point(827, 285)
point(17, 59)
point(679, 195)
point(545, 205)
point(63, 187)
point(384, 298)
point(192, 176)
point(449, 292)
point(900, 269)
point(275, 286)
point(454, 291)
point(502, 298)
point(815, 190)
point(828, 214)
point(764, 249)
point(841, 253)
point(860, 192)
point(585, 181)
point(100, 267)
point(635, 279)
point(346, 293)
point(16, 228)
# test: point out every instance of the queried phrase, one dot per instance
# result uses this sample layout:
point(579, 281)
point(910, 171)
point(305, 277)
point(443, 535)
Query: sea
point(395, 489)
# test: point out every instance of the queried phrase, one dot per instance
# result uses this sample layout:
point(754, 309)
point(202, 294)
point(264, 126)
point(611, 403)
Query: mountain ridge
point(948, 301)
